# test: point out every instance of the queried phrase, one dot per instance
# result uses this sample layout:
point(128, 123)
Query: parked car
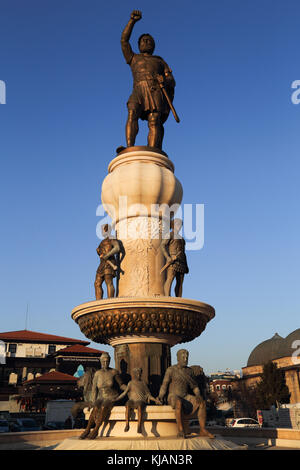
point(52, 425)
point(4, 427)
point(23, 425)
point(244, 423)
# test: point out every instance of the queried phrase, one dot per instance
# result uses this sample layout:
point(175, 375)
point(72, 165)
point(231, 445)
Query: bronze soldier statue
point(108, 267)
point(139, 395)
point(105, 390)
point(179, 381)
point(173, 249)
point(153, 87)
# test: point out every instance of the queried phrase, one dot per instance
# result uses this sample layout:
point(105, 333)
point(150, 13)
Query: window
point(12, 348)
point(51, 349)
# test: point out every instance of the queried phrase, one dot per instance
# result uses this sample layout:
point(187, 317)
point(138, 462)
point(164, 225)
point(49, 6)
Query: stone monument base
point(193, 442)
point(158, 421)
point(159, 432)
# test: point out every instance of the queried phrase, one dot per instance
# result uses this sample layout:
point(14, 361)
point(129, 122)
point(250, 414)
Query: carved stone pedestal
point(159, 432)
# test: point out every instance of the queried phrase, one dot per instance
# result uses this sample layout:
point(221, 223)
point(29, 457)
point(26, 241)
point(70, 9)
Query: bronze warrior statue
point(105, 390)
point(179, 381)
point(153, 87)
point(139, 395)
point(108, 267)
point(173, 249)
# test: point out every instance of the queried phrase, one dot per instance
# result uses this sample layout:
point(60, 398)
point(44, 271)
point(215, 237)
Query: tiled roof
point(53, 376)
point(36, 337)
point(78, 349)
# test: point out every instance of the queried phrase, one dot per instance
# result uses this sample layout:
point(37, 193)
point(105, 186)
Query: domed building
point(285, 352)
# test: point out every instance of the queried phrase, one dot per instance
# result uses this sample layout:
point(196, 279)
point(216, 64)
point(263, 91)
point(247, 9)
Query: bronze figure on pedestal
point(153, 87)
point(105, 390)
point(173, 249)
point(139, 396)
point(184, 394)
point(109, 265)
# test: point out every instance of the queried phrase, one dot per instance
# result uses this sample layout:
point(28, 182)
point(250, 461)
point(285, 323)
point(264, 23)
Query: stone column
point(153, 358)
point(138, 193)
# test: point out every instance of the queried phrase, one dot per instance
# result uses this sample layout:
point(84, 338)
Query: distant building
point(220, 385)
point(29, 358)
point(285, 352)
point(220, 382)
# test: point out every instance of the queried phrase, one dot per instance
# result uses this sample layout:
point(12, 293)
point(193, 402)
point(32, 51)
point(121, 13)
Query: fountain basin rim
point(146, 302)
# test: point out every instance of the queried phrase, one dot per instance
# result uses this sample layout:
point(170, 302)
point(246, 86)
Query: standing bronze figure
point(184, 394)
point(173, 249)
point(108, 267)
point(153, 87)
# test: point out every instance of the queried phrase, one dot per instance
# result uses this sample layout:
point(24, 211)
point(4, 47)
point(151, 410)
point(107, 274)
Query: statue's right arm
point(115, 249)
point(126, 47)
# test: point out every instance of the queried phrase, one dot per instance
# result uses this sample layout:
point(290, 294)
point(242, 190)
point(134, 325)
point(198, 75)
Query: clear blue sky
point(236, 151)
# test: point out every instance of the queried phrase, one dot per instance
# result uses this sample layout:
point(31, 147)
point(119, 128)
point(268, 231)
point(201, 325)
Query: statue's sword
point(169, 101)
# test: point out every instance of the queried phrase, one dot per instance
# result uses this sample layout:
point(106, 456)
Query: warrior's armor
point(176, 247)
point(105, 268)
point(147, 96)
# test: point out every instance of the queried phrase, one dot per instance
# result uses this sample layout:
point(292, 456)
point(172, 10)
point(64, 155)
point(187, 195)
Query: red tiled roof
point(34, 336)
point(78, 349)
point(53, 376)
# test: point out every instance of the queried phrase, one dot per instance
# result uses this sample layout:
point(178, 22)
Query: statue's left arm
point(125, 392)
point(168, 76)
point(167, 80)
point(119, 381)
point(164, 249)
point(193, 384)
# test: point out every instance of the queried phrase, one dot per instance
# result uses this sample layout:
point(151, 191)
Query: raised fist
point(136, 15)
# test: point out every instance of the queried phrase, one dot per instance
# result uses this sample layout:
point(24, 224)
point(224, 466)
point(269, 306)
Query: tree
point(243, 399)
point(272, 388)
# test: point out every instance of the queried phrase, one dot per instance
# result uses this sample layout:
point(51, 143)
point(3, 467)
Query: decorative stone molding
point(165, 320)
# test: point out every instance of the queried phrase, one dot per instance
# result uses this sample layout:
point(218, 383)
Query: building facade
point(26, 356)
point(285, 352)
